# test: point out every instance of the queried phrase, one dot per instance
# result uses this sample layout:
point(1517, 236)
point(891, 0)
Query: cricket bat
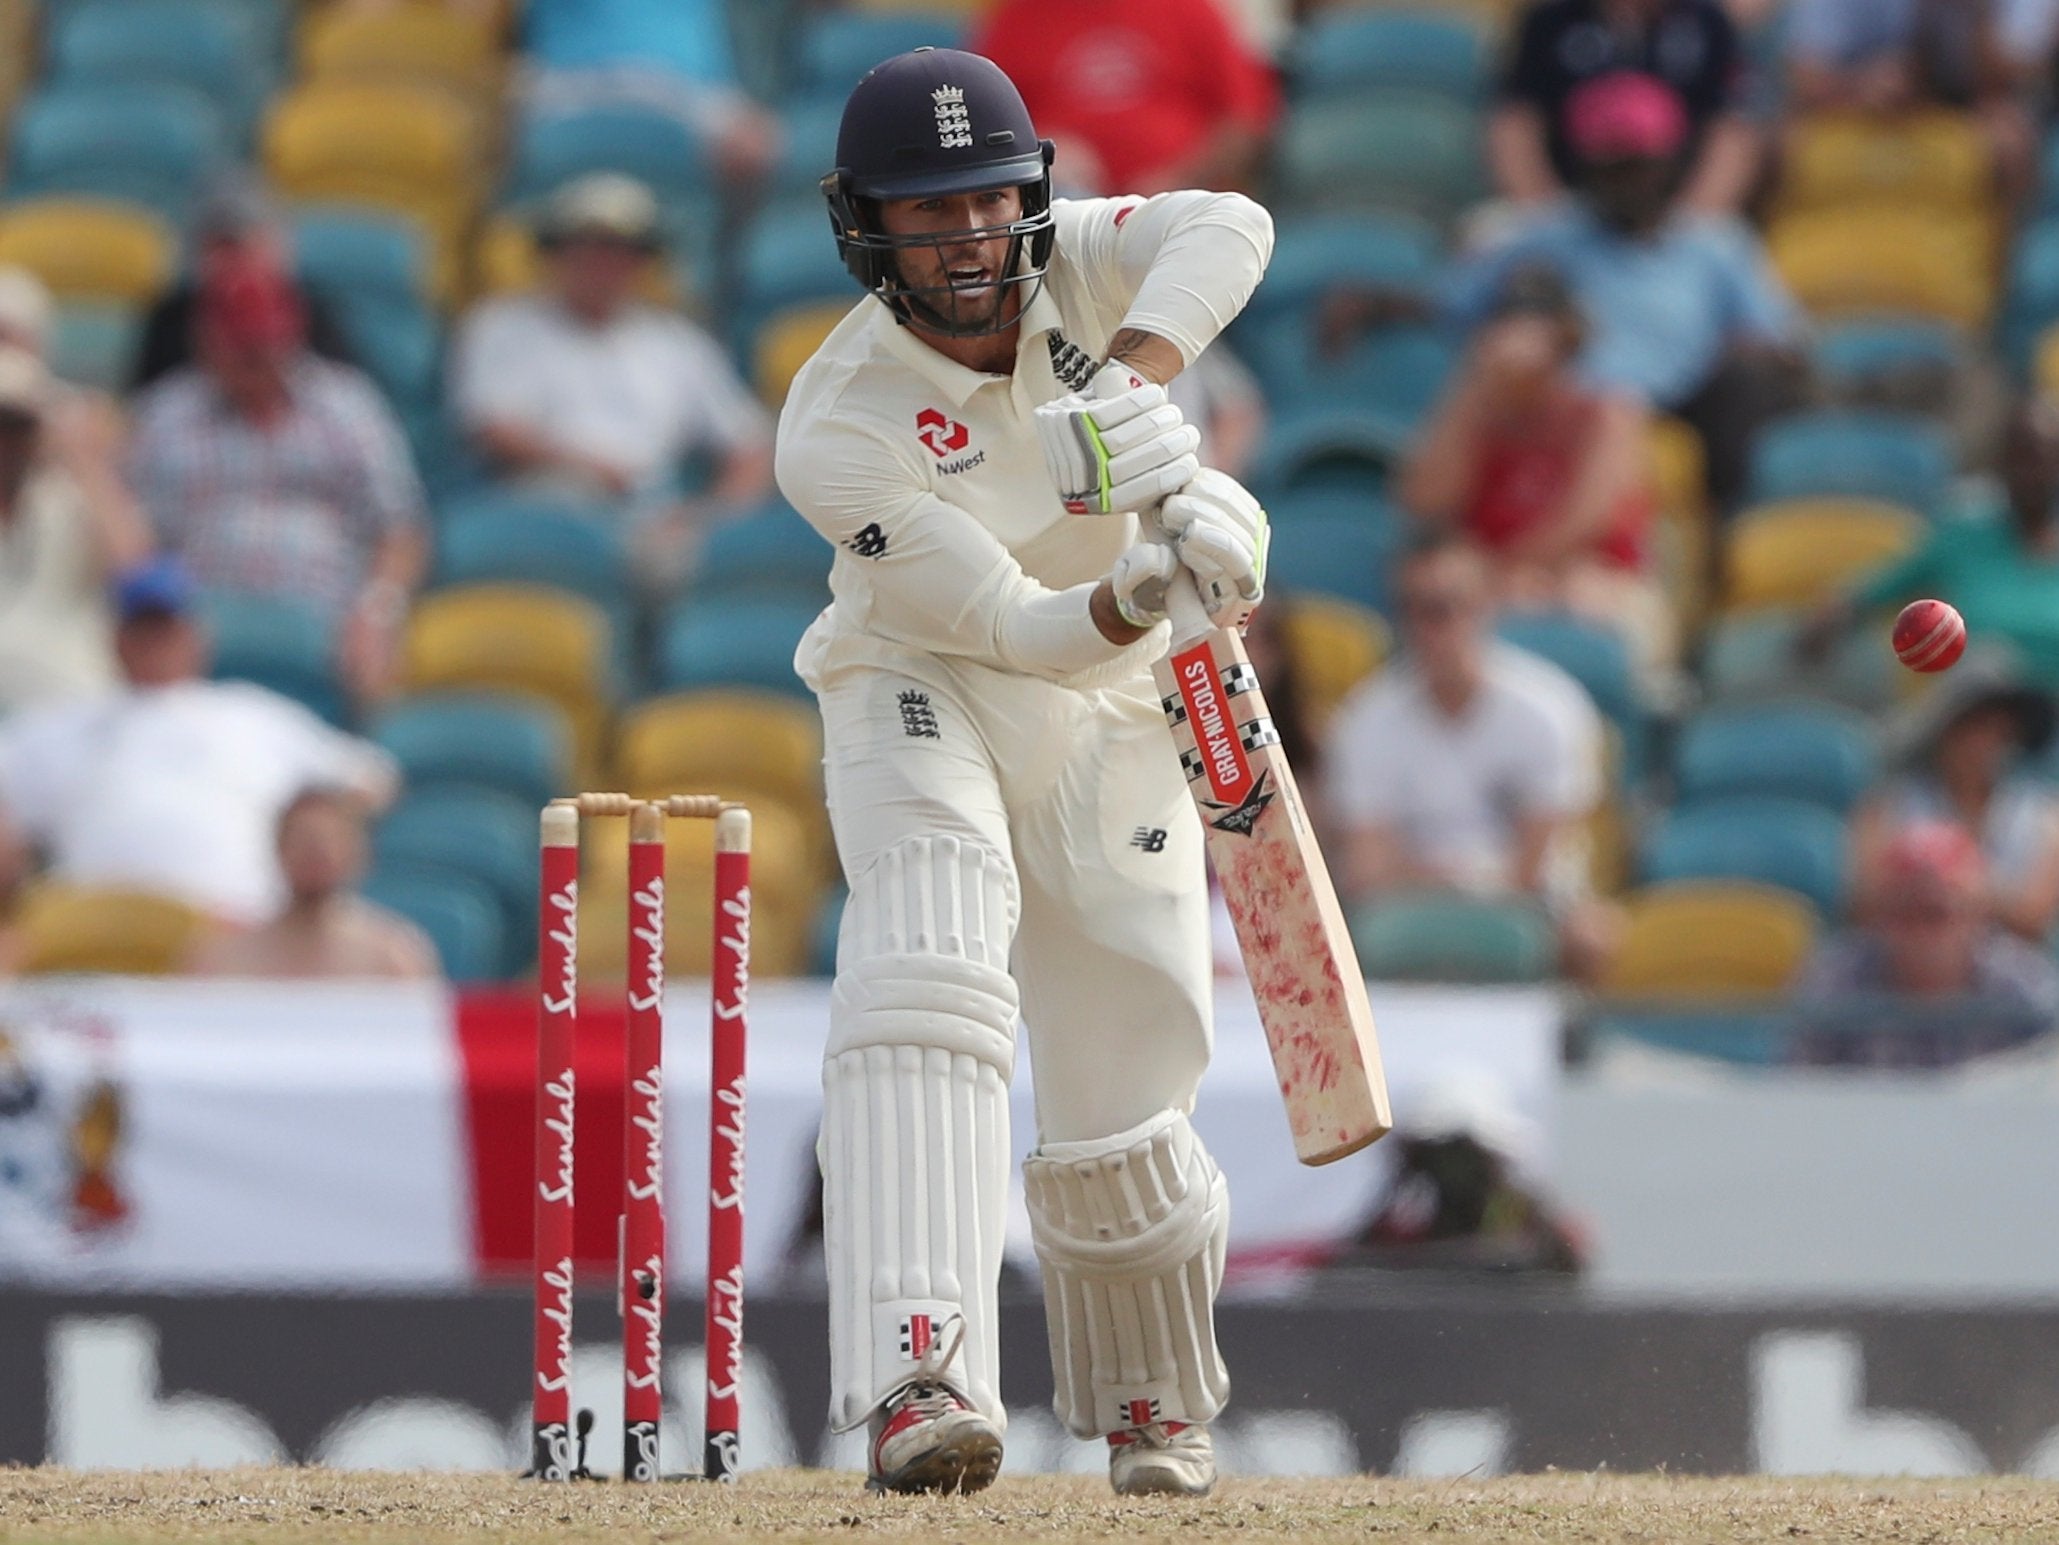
point(1297, 951)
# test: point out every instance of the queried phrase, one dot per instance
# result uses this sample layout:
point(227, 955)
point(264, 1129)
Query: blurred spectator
point(173, 783)
point(2001, 571)
point(326, 929)
point(1550, 476)
point(584, 386)
point(1966, 747)
point(236, 219)
point(1691, 45)
point(1931, 980)
point(1468, 764)
point(67, 526)
point(1685, 309)
point(1141, 95)
point(669, 55)
point(276, 473)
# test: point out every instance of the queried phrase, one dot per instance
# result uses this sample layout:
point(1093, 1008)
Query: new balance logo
point(916, 1335)
point(869, 543)
point(1150, 838)
point(918, 719)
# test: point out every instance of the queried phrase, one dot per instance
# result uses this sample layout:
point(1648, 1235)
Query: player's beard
point(966, 305)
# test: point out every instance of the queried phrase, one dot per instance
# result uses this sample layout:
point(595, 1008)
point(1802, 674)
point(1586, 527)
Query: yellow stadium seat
point(89, 249)
point(69, 928)
point(2048, 362)
point(1797, 552)
point(1334, 645)
point(1711, 939)
point(1937, 160)
point(784, 344)
point(518, 638)
point(1866, 259)
point(1683, 541)
point(785, 891)
point(505, 261)
point(722, 743)
point(430, 43)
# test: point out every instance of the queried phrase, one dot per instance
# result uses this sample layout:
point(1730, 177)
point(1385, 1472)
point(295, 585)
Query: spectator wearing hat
point(1550, 476)
point(171, 782)
point(326, 929)
point(67, 525)
point(273, 472)
point(1965, 746)
point(236, 218)
point(1930, 979)
point(1684, 310)
point(584, 386)
point(1692, 46)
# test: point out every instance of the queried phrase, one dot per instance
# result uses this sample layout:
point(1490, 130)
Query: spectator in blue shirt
point(1686, 311)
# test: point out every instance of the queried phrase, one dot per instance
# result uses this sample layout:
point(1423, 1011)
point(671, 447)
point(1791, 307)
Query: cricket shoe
point(929, 1438)
point(1161, 1459)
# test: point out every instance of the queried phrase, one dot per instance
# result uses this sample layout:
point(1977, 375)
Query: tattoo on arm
point(1152, 357)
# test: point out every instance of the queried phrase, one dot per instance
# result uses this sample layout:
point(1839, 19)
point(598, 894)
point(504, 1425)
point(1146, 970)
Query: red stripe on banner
point(497, 1039)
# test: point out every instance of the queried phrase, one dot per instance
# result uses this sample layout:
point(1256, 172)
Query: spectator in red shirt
point(1141, 95)
point(1549, 475)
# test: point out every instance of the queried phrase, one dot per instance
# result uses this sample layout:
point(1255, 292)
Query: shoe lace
point(1158, 1434)
point(927, 1394)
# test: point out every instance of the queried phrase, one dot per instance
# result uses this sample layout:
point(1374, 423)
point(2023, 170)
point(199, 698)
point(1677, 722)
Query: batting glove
point(1139, 579)
point(1119, 446)
point(1221, 534)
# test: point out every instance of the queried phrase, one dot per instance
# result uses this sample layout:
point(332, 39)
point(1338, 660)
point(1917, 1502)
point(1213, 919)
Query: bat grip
point(1184, 610)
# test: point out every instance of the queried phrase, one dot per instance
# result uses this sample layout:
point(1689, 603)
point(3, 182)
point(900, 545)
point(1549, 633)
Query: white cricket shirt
point(929, 478)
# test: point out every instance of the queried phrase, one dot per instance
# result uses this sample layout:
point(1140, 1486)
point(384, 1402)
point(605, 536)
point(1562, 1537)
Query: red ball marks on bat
point(1929, 636)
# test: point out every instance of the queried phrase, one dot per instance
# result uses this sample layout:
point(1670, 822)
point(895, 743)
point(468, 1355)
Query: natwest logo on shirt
point(942, 435)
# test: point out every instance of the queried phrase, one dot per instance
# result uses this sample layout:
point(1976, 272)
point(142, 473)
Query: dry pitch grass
point(309, 1505)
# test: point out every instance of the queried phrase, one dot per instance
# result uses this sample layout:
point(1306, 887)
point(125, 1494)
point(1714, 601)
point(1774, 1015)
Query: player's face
point(959, 270)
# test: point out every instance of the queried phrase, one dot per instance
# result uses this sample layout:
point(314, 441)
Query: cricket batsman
point(987, 441)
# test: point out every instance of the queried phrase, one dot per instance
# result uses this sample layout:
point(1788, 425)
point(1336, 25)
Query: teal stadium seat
point(1898, 458)
point(709, 641)
point(277, 643)
point(1849, 356)
point(1434, 937)
point(808, 151)
point(1416, 49)
point(478, 740)
point(1787, 842)
point(157, 146)
point(1808, 751)
point(1314, 254)
point(788, 256)
point(479, 834)
point(2032, 303)
point(837, 48)
point(205, 47)
point(495, 535)
point(352, 252)
point(1345, 555)
point(460, 916)
point(95, 344)
point(1748, 1037)
point(1410, 150)
point(1752, 655)
point(653, 147)
point(1597, 658)
point(773, 554)
point(398, 344)
point(1321, 447)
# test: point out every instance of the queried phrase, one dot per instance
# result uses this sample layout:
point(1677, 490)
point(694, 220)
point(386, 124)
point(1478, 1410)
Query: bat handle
point(1184, 610)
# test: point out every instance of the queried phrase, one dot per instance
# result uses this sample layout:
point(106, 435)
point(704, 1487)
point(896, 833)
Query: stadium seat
point(1798, 552)
point(128, 44)
point(1314, 254)
point(787, 341)
point(807, 152)
point(88, 249)
point(1784, 842)
point(787, 257)
point(1391, 376)
point(1438, 937)
point(1866, 261)
point(1937, 160)
point(515, 745)
point(835, 49)
point(1326, 449)
point(1593, 655)
point(1897, 458)
point(722, 743)
point(461, 916)
point(1753, 655)
point(74, 929)
point(1333, 645)
point(1880, 353)
point(505, 260)
point(155, 146)
point(278, 643)
point(481, 834)
point(715, 641)
point(652, 146)
point(433, 44)
point(361, 254)
point(1403, 149)
point(1749, 1038)
point(1345, 51)
point(1344, 556)
point(508, 535)
point(1807, 751)
point(397, 344)
point(95, 345)
point(1710, 939)
point(771, 554)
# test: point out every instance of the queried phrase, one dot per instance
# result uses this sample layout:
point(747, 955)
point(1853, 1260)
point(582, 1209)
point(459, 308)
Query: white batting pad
point(1131, 1231)
point(914, 1145)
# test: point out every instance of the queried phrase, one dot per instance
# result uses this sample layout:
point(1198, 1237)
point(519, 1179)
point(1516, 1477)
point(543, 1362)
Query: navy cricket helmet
point(930, 124)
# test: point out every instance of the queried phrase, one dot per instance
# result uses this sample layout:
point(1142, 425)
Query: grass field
point(799, 1506)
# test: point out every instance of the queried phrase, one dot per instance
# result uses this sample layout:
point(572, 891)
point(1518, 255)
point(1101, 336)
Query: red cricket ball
point(1929, 636)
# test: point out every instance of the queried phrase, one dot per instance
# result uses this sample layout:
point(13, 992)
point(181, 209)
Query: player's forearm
point(1154, 358)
